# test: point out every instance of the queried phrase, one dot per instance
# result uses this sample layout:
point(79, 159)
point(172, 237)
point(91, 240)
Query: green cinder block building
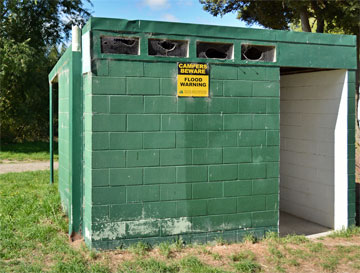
point(272, 130)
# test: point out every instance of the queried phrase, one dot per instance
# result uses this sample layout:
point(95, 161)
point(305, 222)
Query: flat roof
point(293, 49)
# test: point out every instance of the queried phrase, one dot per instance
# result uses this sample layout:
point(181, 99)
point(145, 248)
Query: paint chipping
point(87, 233)
point(176, 226)
point(143, 228)
point(110, 231)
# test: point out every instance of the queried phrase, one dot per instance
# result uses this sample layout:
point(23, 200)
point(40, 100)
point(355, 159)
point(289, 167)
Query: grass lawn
point(33, 238)
point(28, 151)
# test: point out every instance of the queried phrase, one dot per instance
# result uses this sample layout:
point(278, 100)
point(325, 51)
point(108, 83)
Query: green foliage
point(246, 254)
point(250, 238)
point(330, 263)
point(193, 264)
point(277, 257)
point(266, 13)
point(220, 241)
point(245, 261)
point(30, 34)
point(204, 250)
point(147, 265)
point(295, 239)
point(78, 264)
point(165, 249)
point(18, 58)
point(15, 57)
point(329, 15)
point(275, 252)
point(27, 151)
point(187, 264)
point(274, 237)
point(247, 266)
point(32, 225)
point(217, 256)
point(140, 248)
point(346, 233)
point(315, 247)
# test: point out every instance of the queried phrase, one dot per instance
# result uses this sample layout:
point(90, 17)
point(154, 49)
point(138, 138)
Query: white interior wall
point(313, 153)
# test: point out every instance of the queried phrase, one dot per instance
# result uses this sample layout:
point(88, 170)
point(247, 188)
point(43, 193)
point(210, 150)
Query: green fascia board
point(87, 26)
point(316, 56)
point(65, 58)
point(168, 28)
point(315, 38)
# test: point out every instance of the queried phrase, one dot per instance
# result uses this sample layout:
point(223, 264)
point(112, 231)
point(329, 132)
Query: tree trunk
point(304, 17)
point(320, 25)
point(319, 14)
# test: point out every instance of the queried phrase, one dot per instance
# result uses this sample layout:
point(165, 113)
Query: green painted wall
point(67, 73)
point(64, 138)
point(87, 166)
point(154, 166)
point(166, 166)
point(351, 147)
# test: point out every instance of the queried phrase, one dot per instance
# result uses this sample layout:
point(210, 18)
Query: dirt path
point(26, 166)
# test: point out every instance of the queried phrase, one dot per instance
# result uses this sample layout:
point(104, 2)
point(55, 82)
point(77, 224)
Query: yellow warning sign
point(193, 80)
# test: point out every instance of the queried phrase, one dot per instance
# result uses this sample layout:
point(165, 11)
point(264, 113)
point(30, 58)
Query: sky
point(183, 11)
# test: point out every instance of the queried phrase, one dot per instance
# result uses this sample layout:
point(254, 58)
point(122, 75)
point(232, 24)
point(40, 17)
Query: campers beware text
point(193, 80)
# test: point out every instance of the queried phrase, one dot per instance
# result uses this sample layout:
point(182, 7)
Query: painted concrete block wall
point(351, 147)
point(87, 157)
point(64, 134)
point(311, 115)
point(159, 166)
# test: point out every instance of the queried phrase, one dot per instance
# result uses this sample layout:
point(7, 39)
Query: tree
point(332, 16)
point(328, 14)
point(31, 31)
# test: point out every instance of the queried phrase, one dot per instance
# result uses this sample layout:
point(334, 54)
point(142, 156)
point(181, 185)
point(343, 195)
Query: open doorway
point(313, 151)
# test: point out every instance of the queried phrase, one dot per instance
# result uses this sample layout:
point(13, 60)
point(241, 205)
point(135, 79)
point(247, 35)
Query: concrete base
point(290, 224)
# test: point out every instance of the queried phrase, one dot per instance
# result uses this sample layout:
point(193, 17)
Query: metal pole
point(51, 139)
